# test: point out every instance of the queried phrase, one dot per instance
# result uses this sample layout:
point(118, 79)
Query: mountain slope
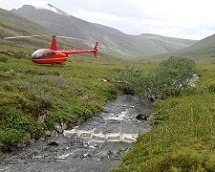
point(168, 44)
point(203, 48)
point(11, 25)
point(15, 25)
point(112, 41)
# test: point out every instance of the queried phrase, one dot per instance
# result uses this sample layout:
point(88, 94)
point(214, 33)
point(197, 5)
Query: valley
point(36, 100)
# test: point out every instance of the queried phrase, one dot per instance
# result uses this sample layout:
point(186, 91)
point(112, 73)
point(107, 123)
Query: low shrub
point(160, 116)
point(3, 58)
point(168, 80)
point(193, 91)
point(211, 88)
point(9, 137)
point(13, 119)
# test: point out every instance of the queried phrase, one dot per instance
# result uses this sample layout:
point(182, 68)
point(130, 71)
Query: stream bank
point(62, 154)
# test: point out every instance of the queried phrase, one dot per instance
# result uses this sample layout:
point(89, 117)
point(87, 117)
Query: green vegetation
point(168, 79)
point(183, 133)
point(33, 98)
point(36, 97)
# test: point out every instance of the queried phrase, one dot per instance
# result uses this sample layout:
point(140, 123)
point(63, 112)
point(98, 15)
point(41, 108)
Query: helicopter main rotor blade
point(86, 42)
point(30, 36)
point(70, 37)
point(16, 37)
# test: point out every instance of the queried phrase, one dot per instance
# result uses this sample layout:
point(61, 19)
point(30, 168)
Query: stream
point(72, 154)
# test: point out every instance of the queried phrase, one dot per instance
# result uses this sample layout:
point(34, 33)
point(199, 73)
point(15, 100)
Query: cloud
point(39, 4)
point(36, 3)
point(94, 15)
point(167, 17)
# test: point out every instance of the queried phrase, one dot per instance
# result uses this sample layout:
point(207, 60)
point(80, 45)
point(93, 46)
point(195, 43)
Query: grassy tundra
point(34, 98)
point(62, 94)
point(182, 137)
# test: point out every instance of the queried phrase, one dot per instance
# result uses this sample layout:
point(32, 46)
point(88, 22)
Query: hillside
point(203, 48)
point(12, 25)
point(202, 51)
point(15, 25)
point(168, 44)
point(112, 42)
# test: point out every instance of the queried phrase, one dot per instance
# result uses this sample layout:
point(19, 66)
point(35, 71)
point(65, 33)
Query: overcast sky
point(191, 19)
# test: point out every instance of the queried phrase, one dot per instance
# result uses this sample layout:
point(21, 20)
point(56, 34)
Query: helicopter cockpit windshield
point(38, 54)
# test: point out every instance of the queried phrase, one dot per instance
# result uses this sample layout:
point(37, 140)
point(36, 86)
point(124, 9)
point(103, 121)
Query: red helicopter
point(54, 56)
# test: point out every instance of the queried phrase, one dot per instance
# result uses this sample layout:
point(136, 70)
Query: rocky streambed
point(62, 154)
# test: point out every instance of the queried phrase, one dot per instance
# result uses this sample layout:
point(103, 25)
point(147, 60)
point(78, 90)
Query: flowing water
point(73, 154)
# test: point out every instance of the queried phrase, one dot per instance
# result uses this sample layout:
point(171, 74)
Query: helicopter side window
point(52, 54)
point(49, 54)
point(38, 54)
